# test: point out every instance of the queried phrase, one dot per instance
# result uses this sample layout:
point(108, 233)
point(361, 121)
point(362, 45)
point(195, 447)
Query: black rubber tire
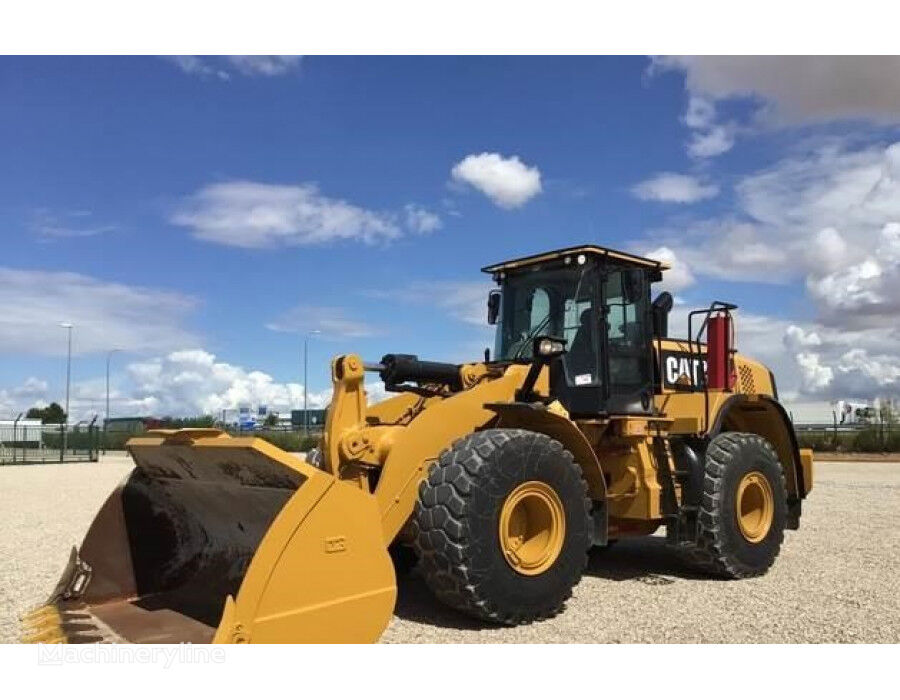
point(404, 558)
point(721, 549)
point(457, 525)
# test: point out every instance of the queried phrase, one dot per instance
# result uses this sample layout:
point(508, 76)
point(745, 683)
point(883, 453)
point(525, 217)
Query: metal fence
point(47, 443)
point(859, 437)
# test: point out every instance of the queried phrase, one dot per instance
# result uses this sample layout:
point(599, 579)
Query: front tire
point(744, 507)
point(503, 526)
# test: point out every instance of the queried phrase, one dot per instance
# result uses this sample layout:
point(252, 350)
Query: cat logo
point(681, 370)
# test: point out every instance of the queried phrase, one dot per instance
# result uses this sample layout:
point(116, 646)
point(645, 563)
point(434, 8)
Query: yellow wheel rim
point(532, 528)
point(754, 506)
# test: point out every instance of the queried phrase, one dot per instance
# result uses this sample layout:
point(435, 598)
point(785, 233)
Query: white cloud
point(714, 142)
point(852, 289)
point(799, 89)
point(331, 322)
point(31, 393)
point(708, 137)
point(701, 113)
point(784, 90)
point(674, 187)
point(678, 276)
point(867, 292)
point(814, 375)
point(815, 213)
point(829, 250)
point(824, 361)
point(31, 387)
point(796, 338)
point(265, 65)
point(105, 314)
point(462, 301)
point(258, 215)
point(194, 65)
point(72, 224)
point(220, 67)
point(193, 382)
point(883, 370)
point(827, 217)
point(187, 382)
point(420, 220)
point(507, 182)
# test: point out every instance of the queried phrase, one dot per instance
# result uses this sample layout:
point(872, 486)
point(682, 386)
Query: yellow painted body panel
point(279, 550)
point(427, 436)
point(321, 574)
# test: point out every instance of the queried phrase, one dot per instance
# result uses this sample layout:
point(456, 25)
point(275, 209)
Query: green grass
point(870, 439)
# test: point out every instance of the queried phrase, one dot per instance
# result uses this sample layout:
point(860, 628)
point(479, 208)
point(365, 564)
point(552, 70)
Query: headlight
point(549, 347)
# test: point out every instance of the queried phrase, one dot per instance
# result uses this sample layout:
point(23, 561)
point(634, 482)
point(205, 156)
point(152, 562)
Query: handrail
point(714, 307)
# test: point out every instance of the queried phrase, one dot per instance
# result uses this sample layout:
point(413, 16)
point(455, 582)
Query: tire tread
point(710, 553)
point(443, 539)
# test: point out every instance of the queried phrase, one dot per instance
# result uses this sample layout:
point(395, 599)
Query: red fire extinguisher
point(720, 373)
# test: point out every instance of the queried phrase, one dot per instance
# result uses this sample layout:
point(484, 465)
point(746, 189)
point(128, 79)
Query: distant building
point(23, 433)
point(131, 425)
point(316, 418)
point(842, 413)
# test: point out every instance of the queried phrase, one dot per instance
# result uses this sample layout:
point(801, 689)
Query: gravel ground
point(835, 581)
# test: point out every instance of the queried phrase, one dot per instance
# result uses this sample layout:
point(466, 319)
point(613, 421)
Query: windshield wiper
point(524, 342)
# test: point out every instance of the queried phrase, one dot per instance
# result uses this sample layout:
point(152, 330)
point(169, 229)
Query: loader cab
point(598, 301)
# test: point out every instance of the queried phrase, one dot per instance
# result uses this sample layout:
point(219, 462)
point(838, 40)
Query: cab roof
point(592, 250)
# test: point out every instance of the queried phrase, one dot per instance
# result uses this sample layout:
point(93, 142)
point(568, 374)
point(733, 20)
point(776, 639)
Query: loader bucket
point(214, 538)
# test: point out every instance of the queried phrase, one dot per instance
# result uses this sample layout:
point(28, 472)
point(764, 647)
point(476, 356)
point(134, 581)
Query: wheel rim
point(755, 506)
point(532, 528)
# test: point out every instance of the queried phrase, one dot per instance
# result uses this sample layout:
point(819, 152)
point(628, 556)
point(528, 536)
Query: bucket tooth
point(42, 624)
point(39, 613)
point(51, 634)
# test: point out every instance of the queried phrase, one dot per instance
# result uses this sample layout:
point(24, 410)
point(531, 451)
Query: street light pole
point(106, 420)
point(68, 327)
point(305, 374)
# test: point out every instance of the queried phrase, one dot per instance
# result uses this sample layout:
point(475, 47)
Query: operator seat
point(581, 358)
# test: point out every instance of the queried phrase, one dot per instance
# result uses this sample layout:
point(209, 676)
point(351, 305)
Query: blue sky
point(203, 213)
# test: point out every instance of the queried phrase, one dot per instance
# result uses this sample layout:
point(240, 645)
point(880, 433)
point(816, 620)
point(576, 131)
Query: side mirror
point(662, 305)
point(493, 305)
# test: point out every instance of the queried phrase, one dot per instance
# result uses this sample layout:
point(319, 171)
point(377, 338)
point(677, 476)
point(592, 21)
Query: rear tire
point(743, 509)
point(475, 490)
point(404, 558)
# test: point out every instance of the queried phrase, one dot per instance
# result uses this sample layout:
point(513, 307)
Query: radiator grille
point(747, 385)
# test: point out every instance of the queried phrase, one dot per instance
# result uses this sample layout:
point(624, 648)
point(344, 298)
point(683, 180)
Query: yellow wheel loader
point(588, 424)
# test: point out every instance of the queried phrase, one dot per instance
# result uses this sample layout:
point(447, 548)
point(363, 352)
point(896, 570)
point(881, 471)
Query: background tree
point(49, 414)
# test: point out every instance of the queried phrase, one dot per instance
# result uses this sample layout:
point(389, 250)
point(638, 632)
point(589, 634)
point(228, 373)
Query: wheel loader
point(587, 424)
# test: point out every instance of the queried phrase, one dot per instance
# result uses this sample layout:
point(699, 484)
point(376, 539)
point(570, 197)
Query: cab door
point(627, 339)
point(576, 378)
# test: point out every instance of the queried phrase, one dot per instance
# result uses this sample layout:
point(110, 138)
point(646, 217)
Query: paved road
point(836, 579)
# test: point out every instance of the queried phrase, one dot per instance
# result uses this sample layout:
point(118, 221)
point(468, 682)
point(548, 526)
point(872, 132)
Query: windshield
point(559, 301)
